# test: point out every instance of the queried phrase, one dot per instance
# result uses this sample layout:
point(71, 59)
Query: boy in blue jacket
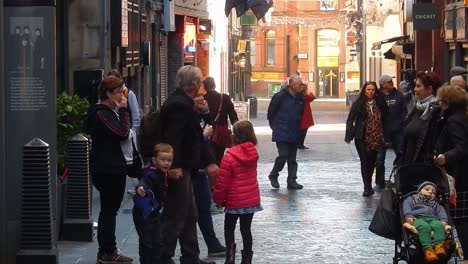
point(154, 182)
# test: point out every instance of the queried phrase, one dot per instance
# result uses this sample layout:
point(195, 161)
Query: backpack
point(150, 132)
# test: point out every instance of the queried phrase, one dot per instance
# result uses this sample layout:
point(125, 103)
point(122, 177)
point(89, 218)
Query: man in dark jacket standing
point(181, 129)
point(393, 125)
point(284, 117)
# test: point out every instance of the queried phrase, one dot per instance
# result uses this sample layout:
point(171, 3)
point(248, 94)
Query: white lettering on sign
point(431, 16)
point(242, 110)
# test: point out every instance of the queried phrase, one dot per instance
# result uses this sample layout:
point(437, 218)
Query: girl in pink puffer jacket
point(237, 189)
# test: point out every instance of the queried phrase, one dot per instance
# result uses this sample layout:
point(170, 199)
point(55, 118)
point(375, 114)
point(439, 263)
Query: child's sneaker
point(113, 258)
point(439, 250)
point(429, 255)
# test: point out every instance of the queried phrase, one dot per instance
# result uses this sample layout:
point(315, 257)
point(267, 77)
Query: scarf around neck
point(423, 105)
point(421, 199)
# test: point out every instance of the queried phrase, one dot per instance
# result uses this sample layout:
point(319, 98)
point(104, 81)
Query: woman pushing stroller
point(424, 215)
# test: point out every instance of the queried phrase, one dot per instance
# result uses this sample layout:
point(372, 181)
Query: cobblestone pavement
point(326, 222)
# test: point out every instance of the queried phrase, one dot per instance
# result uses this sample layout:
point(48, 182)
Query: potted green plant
point(71, 114)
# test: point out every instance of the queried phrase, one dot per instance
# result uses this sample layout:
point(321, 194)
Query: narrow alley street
point(326, 222)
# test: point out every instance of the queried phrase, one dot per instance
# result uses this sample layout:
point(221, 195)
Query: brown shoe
point(429, 255)
point(113, 258)
point(439, 250)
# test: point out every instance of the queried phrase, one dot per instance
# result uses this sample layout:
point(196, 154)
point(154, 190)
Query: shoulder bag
point(222, 135)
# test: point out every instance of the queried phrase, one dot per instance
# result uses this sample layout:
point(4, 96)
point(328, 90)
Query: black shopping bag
point(386, 219)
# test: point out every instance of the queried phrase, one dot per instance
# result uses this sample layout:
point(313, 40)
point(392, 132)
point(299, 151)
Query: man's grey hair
point(458, 80)
point(187, 76)
point(294, 78)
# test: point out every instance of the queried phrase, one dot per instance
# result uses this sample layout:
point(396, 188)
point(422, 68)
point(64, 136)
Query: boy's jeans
point(149, 241)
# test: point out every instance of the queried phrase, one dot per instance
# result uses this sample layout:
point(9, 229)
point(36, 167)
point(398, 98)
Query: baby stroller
point(407, 179)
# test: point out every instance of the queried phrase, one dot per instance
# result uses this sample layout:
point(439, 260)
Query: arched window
point(270, 47)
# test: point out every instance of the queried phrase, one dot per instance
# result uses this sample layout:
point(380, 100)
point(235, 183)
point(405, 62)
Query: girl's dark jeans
point(111, 191)
point(148, 231)
point(230, 221)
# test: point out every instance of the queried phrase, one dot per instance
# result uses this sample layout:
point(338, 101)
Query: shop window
point(270, 47)
point(328, 52)
point(252, 52)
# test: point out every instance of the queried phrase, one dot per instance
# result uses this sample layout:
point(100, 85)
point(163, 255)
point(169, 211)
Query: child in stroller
point(426, 217)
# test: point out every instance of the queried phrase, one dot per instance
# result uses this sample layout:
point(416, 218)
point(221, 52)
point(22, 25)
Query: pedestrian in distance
point(365, 124)
point(108, 124)
point(393, 123)
point(152, 186)
point(307, 118)
point(458, 81)
point(424, 215)
point(284, 117)
point(221, 107)
point(237, 190)
point(180, 127)
point(422, 125)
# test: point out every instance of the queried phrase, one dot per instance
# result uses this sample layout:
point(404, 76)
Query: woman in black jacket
point(422, 126)
point(365, 125)
point(451, 151)
point(452, 145)
point(108, 124)
point(227, 109)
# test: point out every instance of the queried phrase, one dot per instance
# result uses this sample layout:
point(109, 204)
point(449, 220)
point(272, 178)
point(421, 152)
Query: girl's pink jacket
point(236, 184)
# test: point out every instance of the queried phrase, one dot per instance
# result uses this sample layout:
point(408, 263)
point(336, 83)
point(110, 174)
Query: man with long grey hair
point(180, 125)
point(284, 116)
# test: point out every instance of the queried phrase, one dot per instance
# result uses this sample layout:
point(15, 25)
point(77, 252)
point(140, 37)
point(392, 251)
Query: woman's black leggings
point(230, 222)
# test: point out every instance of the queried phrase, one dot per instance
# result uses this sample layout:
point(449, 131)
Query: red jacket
point(307, 118)
point(236, 184)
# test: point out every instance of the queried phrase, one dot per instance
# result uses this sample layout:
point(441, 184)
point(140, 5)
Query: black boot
point(246, 257)
point(231, 254)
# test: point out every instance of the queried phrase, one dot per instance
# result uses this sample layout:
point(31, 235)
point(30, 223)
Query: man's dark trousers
point(397, 140)
point(202, 192)
point(178, 221)
point(286, 153)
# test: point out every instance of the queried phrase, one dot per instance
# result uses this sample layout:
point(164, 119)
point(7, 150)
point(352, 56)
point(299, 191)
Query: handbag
point(147, 204)
point(221, 135)
point(135, 170)
point(386, 220)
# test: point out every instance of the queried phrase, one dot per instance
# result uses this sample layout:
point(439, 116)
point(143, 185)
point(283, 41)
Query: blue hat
point(422, 185)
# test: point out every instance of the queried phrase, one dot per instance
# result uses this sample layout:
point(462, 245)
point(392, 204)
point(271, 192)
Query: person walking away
point(108, 124)
point(180, 125)
point(134, 110)
point(307, 118)
point(392, 127)
point(284, 117)
point(422, 126)
point(153, 183)
point(219, 116)
point(237, 190)
point(451, 151)
point(365, 124)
